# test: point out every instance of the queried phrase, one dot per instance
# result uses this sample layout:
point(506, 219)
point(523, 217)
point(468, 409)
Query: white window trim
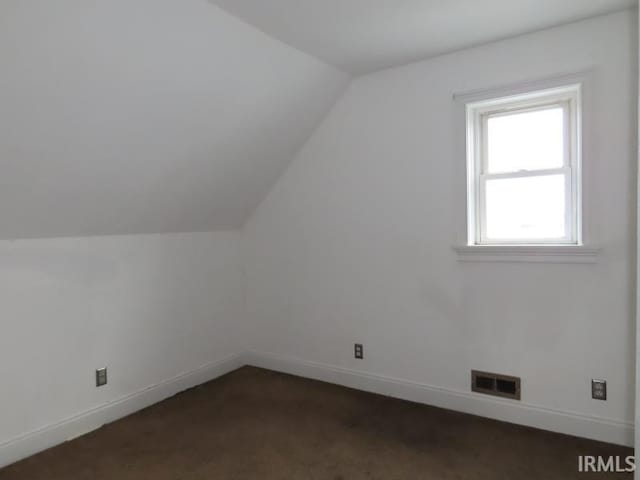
point(527, 253)
point(478, 113)
point(582, 249)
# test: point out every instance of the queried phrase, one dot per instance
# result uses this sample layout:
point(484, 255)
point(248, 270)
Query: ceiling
point(157, 116)
point(361, 36)
point(145, 116)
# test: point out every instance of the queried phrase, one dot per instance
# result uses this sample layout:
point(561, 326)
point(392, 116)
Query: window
point(523, 169)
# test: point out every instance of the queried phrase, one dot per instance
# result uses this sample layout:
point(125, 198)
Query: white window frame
point(568, 98)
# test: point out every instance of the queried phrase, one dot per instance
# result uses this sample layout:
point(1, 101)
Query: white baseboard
point(60, 432)
point(570, 423)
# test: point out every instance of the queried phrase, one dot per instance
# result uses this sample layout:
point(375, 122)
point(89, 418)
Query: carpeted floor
point(259, 425)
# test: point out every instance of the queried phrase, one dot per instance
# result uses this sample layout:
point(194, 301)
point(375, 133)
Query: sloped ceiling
point(145, 116)
point(362, 36)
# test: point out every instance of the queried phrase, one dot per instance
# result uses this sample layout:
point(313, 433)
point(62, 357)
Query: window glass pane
point(525, 141)
point(526, 208)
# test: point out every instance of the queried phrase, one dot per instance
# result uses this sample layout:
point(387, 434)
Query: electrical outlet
point(599, 389)
point(101, 377)
point(358, 350)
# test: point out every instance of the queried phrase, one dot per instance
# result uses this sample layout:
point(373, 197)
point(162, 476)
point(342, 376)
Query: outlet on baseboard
point(101, 377)
point(358, 351)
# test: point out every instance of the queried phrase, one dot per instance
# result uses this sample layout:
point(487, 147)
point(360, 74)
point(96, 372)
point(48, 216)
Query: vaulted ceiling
point(154, 116)
point(140, 116)
point(361, 36)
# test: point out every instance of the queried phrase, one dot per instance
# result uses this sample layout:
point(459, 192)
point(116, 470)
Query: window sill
point(527, 253)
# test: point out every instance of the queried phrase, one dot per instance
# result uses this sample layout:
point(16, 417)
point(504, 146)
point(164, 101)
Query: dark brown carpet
point(256, 424)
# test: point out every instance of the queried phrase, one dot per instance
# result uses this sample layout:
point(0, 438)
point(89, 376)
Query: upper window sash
point(483, 124)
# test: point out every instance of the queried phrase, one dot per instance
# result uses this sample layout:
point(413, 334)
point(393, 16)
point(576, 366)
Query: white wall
point(161, 115)
point(354, 243)
point(150, 308)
